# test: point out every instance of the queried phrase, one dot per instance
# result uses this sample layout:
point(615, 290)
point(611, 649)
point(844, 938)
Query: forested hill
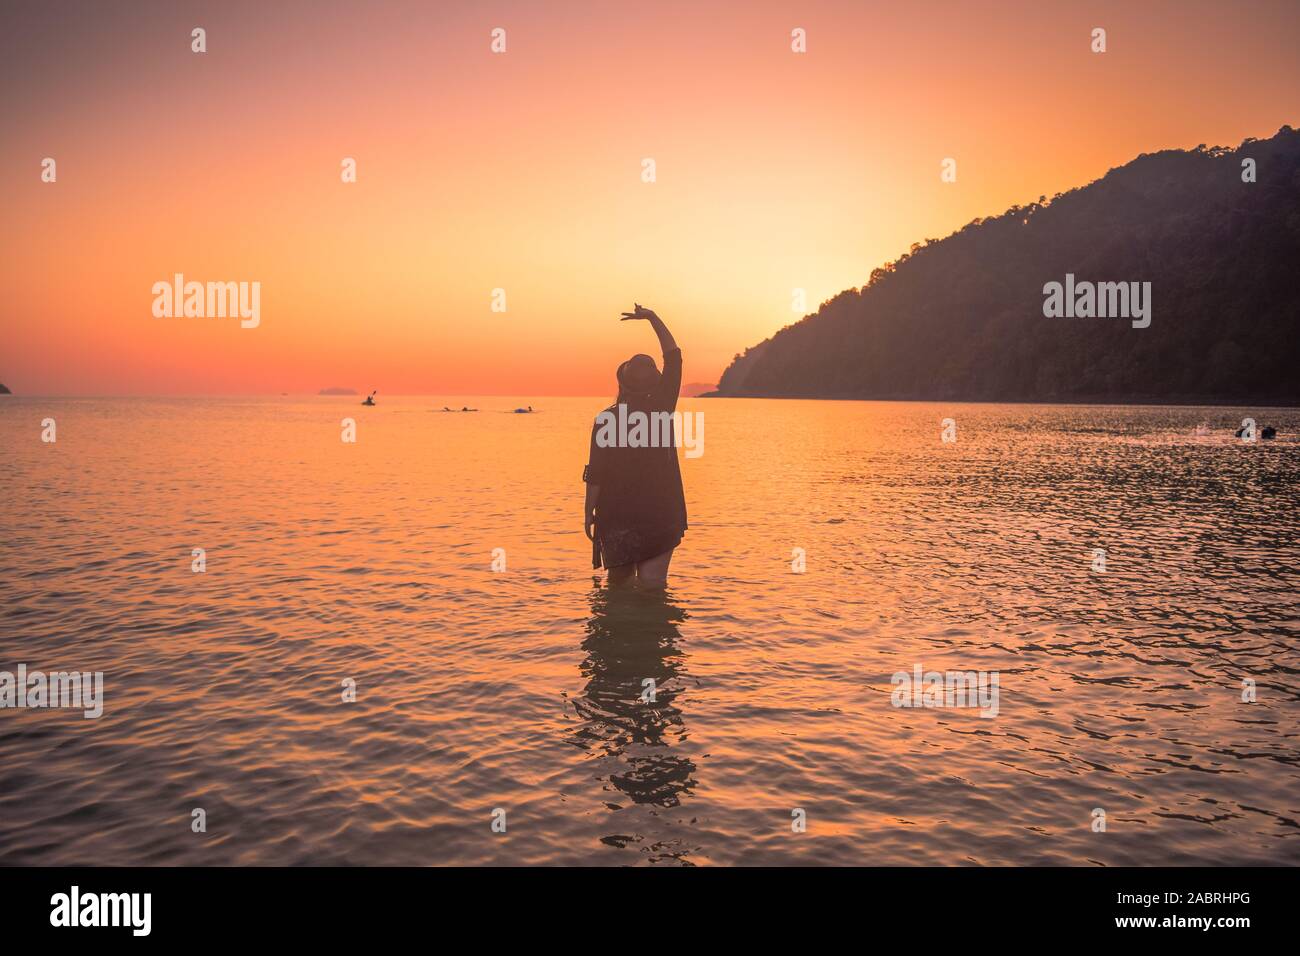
point(962, 318)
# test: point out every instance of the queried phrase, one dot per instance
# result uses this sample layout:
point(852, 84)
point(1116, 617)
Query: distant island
point(963, 318)
point(337, 391)
point(4, 390)
point(695, 389)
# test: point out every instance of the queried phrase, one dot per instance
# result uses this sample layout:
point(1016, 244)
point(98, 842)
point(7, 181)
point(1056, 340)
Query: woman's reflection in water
point(631, 636)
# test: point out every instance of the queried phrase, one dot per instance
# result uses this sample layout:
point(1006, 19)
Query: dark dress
point(641, 511)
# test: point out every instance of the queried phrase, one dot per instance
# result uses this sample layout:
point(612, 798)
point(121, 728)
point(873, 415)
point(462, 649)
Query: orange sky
point(522, 171)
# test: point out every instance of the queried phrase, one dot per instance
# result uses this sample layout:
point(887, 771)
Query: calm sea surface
point(521, 690)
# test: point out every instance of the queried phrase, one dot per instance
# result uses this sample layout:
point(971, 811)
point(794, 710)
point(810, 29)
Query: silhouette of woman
point(635, 511)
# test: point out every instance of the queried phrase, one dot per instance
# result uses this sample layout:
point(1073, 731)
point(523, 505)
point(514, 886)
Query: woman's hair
point(637, 376)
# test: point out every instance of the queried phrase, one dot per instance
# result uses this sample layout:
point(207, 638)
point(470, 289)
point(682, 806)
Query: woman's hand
point(640, 313)
point(589, 523)
point(661, 331)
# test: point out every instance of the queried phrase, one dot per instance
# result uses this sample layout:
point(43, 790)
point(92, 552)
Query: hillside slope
point(962, 318)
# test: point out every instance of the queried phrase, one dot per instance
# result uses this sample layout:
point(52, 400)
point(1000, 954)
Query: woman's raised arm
point(666, 341)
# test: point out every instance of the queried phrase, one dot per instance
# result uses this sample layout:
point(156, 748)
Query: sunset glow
point(522, 171)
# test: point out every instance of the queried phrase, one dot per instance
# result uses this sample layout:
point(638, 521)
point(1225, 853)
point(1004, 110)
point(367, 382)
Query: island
point(1182, 261)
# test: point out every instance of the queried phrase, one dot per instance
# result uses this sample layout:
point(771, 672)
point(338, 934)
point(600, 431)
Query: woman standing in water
point(635, 511)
